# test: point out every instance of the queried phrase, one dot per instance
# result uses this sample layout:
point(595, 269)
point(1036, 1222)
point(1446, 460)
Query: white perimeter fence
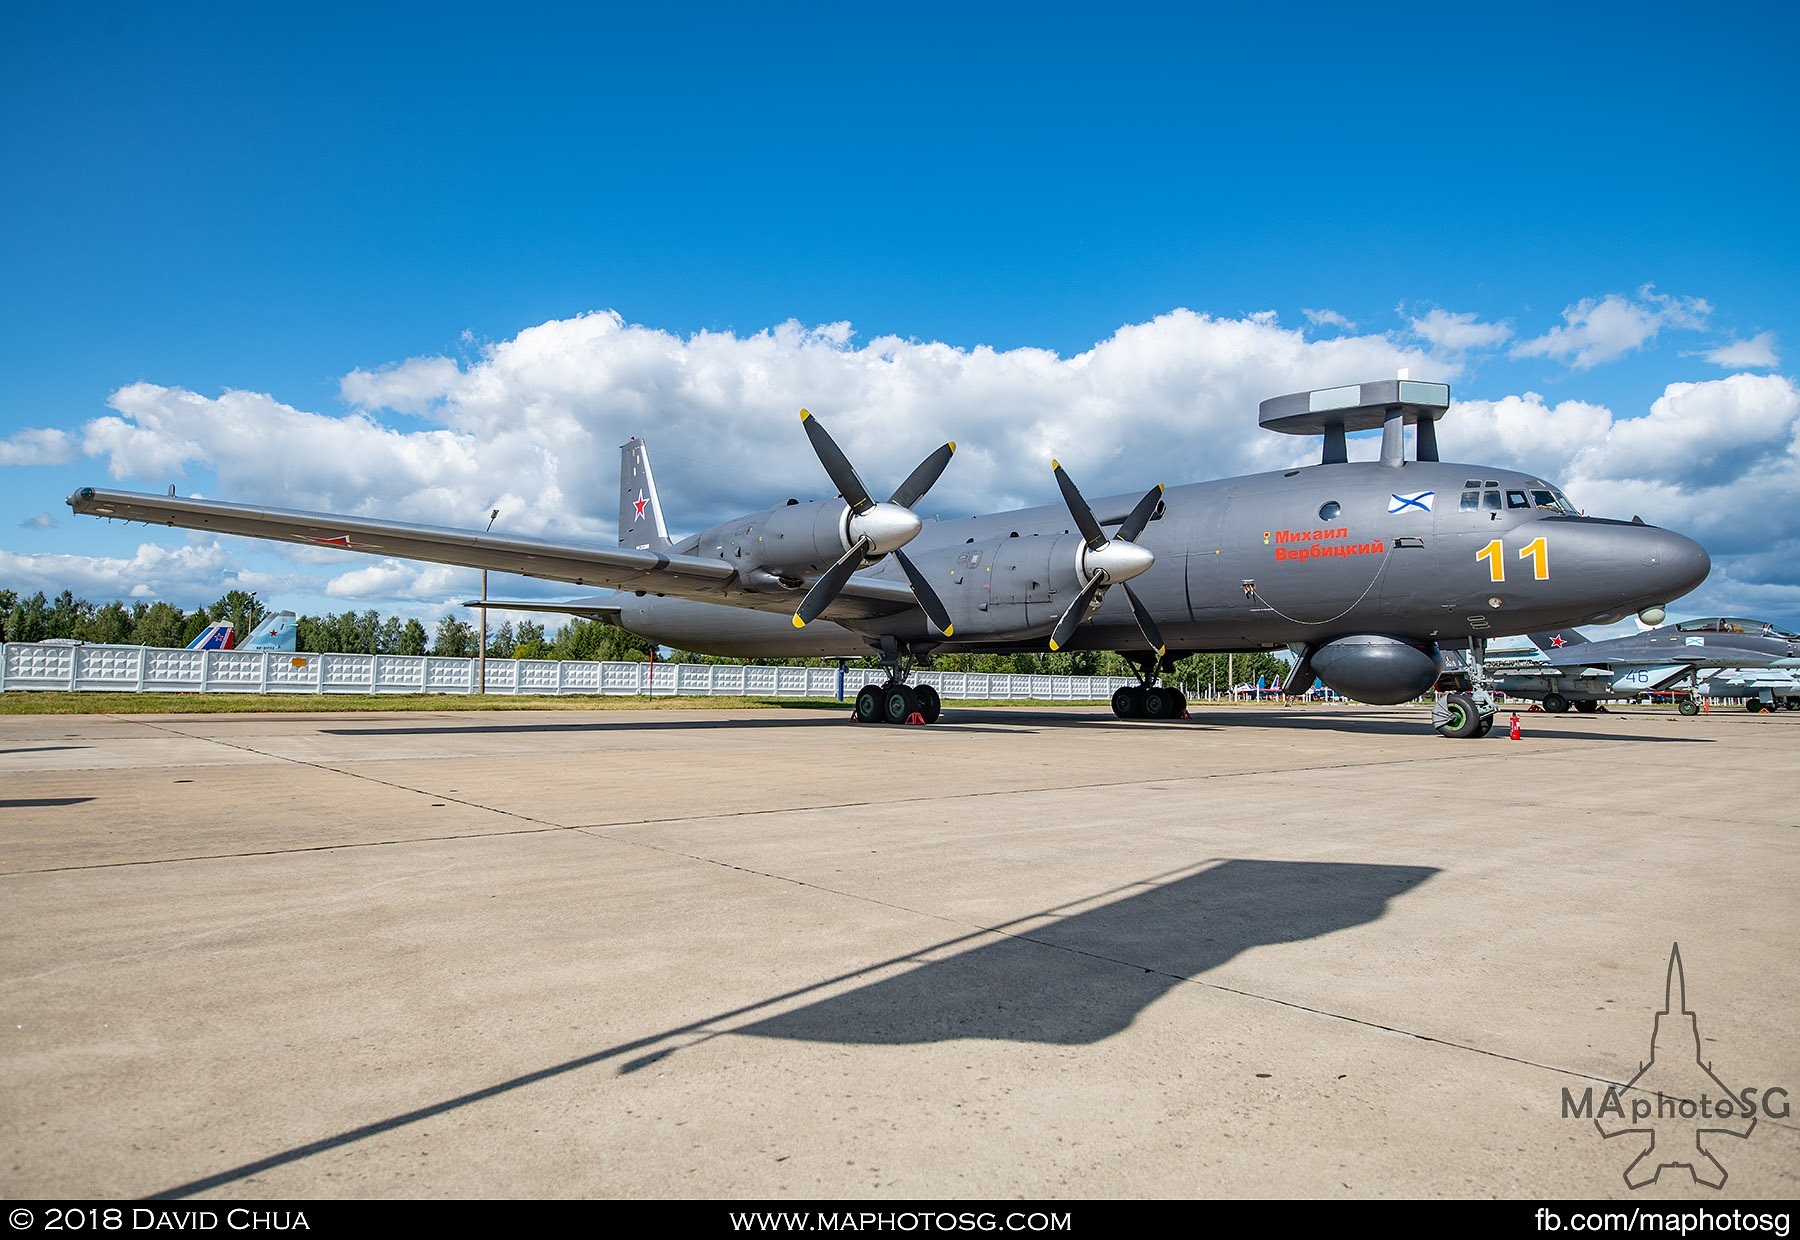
point(150, 669)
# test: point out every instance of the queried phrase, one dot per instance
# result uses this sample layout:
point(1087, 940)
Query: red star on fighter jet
point(639, 503)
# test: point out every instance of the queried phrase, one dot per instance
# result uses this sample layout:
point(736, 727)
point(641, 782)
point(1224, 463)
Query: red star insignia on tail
point(639, 503)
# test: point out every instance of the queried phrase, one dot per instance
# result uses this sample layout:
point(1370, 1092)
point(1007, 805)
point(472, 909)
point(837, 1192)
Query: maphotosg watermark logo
point(1676, 1102)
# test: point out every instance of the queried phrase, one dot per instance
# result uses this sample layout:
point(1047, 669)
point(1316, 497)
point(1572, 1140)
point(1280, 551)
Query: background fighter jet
point(1366, 570)
point(1576, 671)
point(1769, 688)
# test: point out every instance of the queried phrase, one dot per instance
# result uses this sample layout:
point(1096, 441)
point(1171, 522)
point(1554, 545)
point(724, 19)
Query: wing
point(620, 568)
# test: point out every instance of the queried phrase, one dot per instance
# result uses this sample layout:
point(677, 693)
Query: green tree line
point(38, 618)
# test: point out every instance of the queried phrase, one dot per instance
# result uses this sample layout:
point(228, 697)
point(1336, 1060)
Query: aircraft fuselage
point(1246, 563)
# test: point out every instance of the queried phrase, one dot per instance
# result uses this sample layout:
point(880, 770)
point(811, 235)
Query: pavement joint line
point(604, 830)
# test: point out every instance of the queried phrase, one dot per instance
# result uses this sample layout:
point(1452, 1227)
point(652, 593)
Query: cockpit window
point(1471, 501)
point(1491, 500)
point(1516, 499)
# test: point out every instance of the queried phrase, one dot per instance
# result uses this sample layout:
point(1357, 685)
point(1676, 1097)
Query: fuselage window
point(1329, 510)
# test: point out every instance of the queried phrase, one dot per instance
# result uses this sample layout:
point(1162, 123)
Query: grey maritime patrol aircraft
point(1368, 571)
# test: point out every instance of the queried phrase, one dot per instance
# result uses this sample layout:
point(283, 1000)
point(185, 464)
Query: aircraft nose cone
point(1678, 562)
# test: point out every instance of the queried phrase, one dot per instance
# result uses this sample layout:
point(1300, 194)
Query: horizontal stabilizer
point(592, 607)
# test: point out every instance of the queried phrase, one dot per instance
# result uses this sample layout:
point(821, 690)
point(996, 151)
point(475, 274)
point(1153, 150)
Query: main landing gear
point(898, 702)
point(895, 701)
point(1147, 699)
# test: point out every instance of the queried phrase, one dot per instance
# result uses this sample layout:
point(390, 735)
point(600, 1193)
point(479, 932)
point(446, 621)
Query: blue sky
point(426, 260)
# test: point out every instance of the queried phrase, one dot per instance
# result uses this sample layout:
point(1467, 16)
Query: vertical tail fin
point(216, 636)
point(640, 513)
point(276, 632)
point(1557, 639)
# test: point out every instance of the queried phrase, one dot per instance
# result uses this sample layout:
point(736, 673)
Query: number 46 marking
point(1535, 550)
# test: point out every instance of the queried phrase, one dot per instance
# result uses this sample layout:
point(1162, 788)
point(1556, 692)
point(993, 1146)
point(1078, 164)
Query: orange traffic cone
point(1515, 727)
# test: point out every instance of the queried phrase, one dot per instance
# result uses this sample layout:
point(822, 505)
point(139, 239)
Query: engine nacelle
point(799, 538)
point(1379, 670)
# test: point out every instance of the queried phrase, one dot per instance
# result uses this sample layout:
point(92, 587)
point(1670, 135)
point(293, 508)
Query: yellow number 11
point(1536, 551)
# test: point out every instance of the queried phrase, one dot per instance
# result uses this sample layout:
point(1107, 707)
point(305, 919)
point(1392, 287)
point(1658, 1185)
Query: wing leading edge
point(620, 568)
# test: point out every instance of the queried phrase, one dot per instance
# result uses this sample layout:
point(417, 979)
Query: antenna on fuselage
point(1334, 412)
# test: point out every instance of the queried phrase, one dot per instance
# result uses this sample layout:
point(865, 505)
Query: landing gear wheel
point(1753, 705)
point(1159, 703)
point(1485, 726)
point(1688, 707)
point(868, 704)
point(898, 702)
point(930, 704)
point(1555, 703)
point(1793, 703)
point(1128, 702)
point(1587, 708)
point(1180, 711)
point(1464, 719)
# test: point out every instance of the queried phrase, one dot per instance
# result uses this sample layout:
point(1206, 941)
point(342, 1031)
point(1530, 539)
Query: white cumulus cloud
point(38, 447)
point(1756, 353)
point(1459, 332)
point(1602, 330)
point(1328, 318)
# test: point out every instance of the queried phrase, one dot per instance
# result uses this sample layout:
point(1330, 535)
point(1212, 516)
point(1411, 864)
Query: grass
point(45, 702)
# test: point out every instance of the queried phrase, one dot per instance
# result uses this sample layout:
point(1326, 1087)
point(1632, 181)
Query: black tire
point(1688, 707)
point(868, 704)
point(1792, 703)
point(1128, 703)
point(1753, 705)
point(1158, 704)
point(930, 704)
point(1587, 708)
point(1555, 703)
point(1464, 721)
point(1485, 725)
point(1180, 710)
point(898, 703)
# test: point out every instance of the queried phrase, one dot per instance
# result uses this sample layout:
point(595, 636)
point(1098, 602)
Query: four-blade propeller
point(872, 529)
point(1104, 562)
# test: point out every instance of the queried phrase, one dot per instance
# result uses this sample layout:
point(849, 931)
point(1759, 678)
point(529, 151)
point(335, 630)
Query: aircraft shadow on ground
point(1084, 977)
point(1074, 980)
